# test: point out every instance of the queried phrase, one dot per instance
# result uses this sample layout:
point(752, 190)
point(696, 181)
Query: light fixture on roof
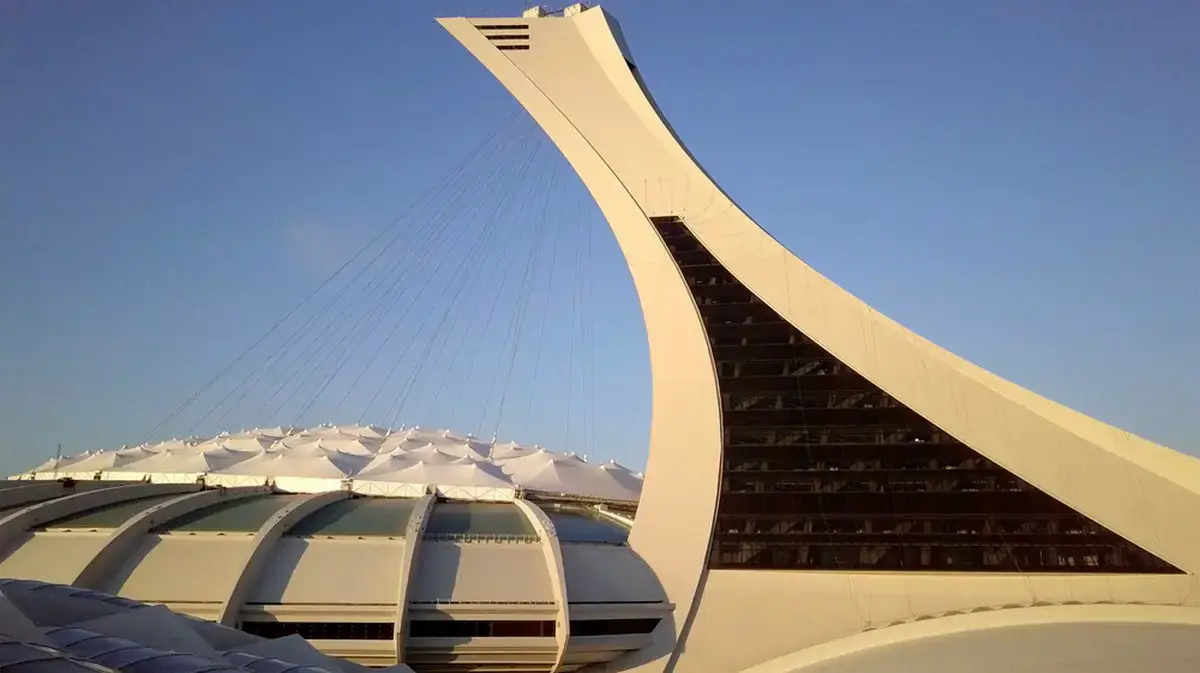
point(577, 8)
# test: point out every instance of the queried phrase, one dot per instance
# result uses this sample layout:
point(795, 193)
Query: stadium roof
point(378, 461)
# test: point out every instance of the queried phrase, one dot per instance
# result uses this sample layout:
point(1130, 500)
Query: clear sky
point(1018, 181)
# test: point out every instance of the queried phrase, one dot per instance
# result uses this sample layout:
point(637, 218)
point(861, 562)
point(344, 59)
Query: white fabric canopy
point(386, 463)
point(431, 454)
point(61, 464)
point(403, 462)
point(353, 445)
point(110, 460)
point(184, 461)
point(169, 445)
point(570, 475)
point(624, 476)
point(462, 472)
point(313, 463)
point(253, 444)
point(510, 451)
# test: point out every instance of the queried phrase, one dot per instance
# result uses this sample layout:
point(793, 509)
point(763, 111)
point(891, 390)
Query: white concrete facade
point(577, 78)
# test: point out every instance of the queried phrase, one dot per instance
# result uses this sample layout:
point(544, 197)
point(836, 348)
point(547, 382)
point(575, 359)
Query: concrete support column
point(264, 544)
point(408, 568)
point(558, 577)
point(32, 492)
point(125, 539)
point(13, 526)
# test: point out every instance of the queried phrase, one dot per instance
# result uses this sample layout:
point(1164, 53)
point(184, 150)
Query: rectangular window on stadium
point(823, 470)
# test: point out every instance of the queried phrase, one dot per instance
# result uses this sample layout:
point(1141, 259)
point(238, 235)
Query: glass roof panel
point(586, 525)
point(244, 515)
point(477, 518)
point(79, 487)
point(113, 516)
point(5, 511)
point(14, 483)
point(358, 516)
point(13, 653)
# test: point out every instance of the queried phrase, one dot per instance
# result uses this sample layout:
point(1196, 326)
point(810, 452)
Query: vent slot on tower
point(822, 470)
point(506, 36)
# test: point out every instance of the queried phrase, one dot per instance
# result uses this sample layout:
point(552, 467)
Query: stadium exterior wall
point(577, 78)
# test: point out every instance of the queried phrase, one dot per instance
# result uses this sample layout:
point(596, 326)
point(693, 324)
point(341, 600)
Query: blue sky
point(1018, 181)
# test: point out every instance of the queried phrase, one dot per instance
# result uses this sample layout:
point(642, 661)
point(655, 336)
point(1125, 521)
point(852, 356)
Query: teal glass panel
point(384, 517)
point(112, 516)
point(244, 515)
point(5, 511)
point(478, 519)
point(80, 487)
point(586, 525)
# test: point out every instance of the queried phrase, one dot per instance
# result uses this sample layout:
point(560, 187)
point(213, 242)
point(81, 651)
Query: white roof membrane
point(403, 462)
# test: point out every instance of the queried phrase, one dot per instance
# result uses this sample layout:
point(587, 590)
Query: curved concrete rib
point(14, 525)
point(599, 113)
point(33, 492)
point(123, 540)
point(686, 432)
point(558, 577)
point(264, 543)
point(412, 541)
point(613, 516)
point(982, 624)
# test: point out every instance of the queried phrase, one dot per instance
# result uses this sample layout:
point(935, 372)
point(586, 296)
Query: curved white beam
point(13, 526)
point(608, 514)
point(33, 492)
point(552, 552)
point(577, 78)
point(600, 102)
point(264, 544)
point(413, 534)
point(685, 436)
point(125, 539)
point(984, 623)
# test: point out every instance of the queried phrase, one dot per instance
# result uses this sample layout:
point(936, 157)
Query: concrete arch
point(578, 79)
point(552, 552)
point(125, 539)
point(413, 534)
point(954, 642)
point(264, 542)
point(13, 526)
point(32, 492)
point(685, 437)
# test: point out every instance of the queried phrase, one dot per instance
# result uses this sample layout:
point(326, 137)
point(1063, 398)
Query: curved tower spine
point(815, 468)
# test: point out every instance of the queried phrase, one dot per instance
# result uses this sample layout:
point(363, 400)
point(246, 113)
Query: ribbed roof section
point(379, 461)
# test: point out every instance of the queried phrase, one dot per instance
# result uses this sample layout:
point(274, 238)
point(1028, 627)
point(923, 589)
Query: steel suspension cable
point(359, 337)
point(430, 225)
point(541, 338)
point(420, 293)
point(589, 333)
point(571, 342)
point(279, 323)
point(475, 251)
point(474, 357)
point(536, 192)
point(424, 259)
point(505, 273)
point(280, 354)
point(518, 321)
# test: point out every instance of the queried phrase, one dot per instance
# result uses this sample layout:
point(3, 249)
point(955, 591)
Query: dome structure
point(835, 493)
point(379, 546)
point(404, 462)
point(435, 581)
point(63, 629)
